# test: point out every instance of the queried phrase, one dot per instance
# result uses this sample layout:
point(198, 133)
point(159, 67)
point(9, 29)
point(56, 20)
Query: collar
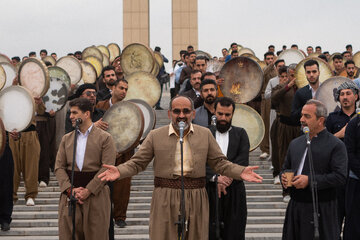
point(196, 92)
point(351, 115)
point(87, 131)
point(172, 130)
point(110, 102)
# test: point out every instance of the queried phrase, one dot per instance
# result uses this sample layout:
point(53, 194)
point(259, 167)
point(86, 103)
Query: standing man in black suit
point(308, 92)
point(194, 92)
point(234, 143)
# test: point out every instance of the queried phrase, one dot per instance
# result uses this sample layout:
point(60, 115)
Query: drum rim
point(152, 114)
point(76, 61)
point(2, 85)
point(91, 66)
point(101, 64)
point(13, 68)
point(95, 55)
point(4, 55)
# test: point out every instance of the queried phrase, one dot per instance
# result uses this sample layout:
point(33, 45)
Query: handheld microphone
point(213, 120)
point(78, 121)
point(306, 131)
point(181, 130)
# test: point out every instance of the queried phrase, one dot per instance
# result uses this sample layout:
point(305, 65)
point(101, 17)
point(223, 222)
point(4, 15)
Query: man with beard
point(87, 91)
point(194, 92)
point(269, 58)
point(207, 110)
point(109, 78)
point(118, 69)
point(234, 143)
point(351, 71)
point(336, 123)
point(163, 146)
point(302, 95)
point(330, 170)
point(234, 47)
point(338, 64)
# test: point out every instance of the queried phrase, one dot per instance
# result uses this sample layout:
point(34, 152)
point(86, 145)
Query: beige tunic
point(165, 203)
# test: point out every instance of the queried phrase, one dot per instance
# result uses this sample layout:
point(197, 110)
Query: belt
point(189, 183)
point(81, 179)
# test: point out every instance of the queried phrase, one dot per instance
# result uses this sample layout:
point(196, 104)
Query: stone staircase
point(266, 209)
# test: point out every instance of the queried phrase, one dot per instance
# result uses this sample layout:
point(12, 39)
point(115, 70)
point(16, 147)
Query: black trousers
point(352, 210)
point(6, 185)
point(44, 161)
point(232, 211)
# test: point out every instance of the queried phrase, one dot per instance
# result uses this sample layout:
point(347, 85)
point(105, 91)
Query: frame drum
point(137, 57)
point(96, 63)
point(56, 97)
point(34, 75)
point(72, 66)
point(126, 125)
point(4, 58)
point(2, 138)
point(92, 51)
point(291, 56)
point(324, 68)
point(2, 77)
point(104, 50)
point(88, 72)
point(245, 50)
point(17, 108)
point(249, 119)
point(49, 59)
point(10, 73)
point(356, 59)
point(114, 51)
point(326, 92)
point(159, 59)
point(149, 116)
point(144, 86)
point(204, 54)
point(243, 79)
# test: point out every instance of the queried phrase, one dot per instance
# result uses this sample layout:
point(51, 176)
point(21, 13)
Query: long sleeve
point(351, 138)
point(61, 166)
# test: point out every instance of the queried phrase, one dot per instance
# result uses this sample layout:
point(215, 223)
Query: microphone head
point(358, 111)
point(306, 129)
point(78, 121)
point(181, 124)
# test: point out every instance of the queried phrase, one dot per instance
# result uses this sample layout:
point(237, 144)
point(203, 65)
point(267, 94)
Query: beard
point(222, 126)
point(209, 99)
point(176, 125)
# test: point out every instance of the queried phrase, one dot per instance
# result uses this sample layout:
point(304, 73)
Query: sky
point(64, 26)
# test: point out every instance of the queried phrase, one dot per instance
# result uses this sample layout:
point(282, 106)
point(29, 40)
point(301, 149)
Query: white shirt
point(223, 140)
point(271, 84)
point(301, 166)
point(196, 92)
point(313, 92)
point(81, 147)
point(110, 102)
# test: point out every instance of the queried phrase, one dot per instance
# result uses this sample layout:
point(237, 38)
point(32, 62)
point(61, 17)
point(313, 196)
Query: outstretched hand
point(249, 175)
point(111, 173)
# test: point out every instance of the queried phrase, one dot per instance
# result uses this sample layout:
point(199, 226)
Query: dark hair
point(186, 54)
point(16, 58)
point(294, 45)
point(337, 56)
point(83, 104)
point(157, 49)
point(345, 53)
point(224, 49)
point(310, 47)
point(225, 101)
point(326, 52)
point(43, 51)
point(32, 53)
point(194, 71)
point(268, 54)
point(70, 54)
point(279, 52)
point(207, 74)
point(349, 62)
point(271, 46)
point(48, 64)
point(182, 52)
point(53, 54)
point(78, 52)
point(233, 44)
point(207, 81)
point(279, 61)
point(318, 47)
point(311, 62)
point(235, 51)
point(190, 46)
point(201, 58)
point(120, 80)
point(107, 68)
point(349, 46)
point(283, 69)
point(323, 57)
point(284, 46)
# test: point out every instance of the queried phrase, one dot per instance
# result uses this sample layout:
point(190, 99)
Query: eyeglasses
point(184, 111)
point(108, 75)
point(89, 93)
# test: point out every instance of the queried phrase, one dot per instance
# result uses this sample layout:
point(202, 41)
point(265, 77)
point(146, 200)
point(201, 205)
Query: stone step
point(263, 236)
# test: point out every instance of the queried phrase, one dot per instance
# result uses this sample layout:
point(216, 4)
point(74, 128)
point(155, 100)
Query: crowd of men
point(215, 153)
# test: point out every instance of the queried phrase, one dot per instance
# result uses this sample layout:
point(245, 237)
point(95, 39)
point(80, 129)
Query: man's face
point(109, 77)
point(195, 81)
point(117, 65)
point(208, 93)
point(347, 98)
point(201, 65)
point(312, 74)
point(90, 94)
point(271, 49)
point(225, 52)
point(234, 47)
point(309, 50)
point(182, 57)
point(78, 56)
point(191, 49)
point(187, 60)
point(43, 54)
point(14, 62)
point(223, 117)
point(350, 69)
point(234, 54)
point(76, 113)
point(181, 111)
point(120, 90)
point(318, 50)
point(291, 74)
point(347, 56)
point(279, 65)
point(192, 58)
point(283, 78)
point(54, 56)
point(269, 59)
point(338, 64)
point(309, 119)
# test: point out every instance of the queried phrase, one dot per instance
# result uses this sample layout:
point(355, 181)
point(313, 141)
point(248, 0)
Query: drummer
point(121, 188)
point(338, 64)
point(88, 91)
point(108, 77)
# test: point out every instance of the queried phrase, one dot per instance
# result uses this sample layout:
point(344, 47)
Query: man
point(330, 169)
point(118, 69)
point(109, 78)
point(87, 91)
point(318, 50)
point(351, 70)
point(15, 61)
point(234, 143)
point(269, 58)
point(43, 53)
point(54, 56)
point(347, 95)
point(234, 54)
point(284, 47)
point(349, 48)
point(308, 92)
point(338, 64)
point(161, 75)
point(185, 73)
point(271, 48)
point(201, 64)
point(179, 65)
point(203, 116)
point(295, 47)
point(94, 148)
point(190, 49)
point(234, 47)
point(78, 55)
point(194, 92)
point(121, 189)
point(225, 53)
point(309, 50)
point(347, 55)
point(32, 54)
point(163, 145)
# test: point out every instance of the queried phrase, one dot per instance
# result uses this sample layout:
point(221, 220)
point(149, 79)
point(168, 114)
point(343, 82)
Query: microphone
point(78, 121)
point(181, 130)
point(358, 111)
point(306, 131)
point(213, 120)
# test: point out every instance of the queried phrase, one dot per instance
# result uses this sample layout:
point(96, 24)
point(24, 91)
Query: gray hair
point(191, 101)
point(321, 110)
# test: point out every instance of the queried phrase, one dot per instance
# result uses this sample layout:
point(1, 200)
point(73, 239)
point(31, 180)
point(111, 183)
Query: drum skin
point(291, 56)
point(72, 66)
point(34, 75)
point(2, 138)
point(104, 50)
point(114, 51)
point(326, 92)
point(49, 59)
point(137, 57)
point(97, 64)
point(126, 125)
point(159, 59)
point(356, 59)
point(88, 72)
point(144, 86)
point(92, 51)
point(17, 108)
point(249, 119)
point(245, 50)
point(149, 116)
point(10, 73)
point(324, 68)
point(243, 79)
